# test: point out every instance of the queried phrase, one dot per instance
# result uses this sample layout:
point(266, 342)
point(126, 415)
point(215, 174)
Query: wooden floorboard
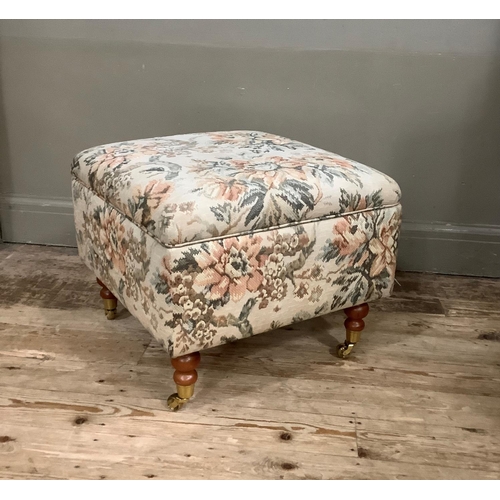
point(84, 398)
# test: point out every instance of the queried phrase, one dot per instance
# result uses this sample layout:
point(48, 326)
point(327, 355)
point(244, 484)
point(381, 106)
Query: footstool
point(208, 238)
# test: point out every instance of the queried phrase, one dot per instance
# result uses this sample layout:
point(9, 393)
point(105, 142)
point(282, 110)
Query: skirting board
point(472, 250)
point(27, 219)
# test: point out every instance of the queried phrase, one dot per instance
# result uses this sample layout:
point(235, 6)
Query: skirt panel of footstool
point(204, 294)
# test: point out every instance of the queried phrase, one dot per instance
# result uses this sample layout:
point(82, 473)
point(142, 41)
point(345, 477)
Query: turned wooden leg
point(110, 301)
point(354, 325)
point(184, 376)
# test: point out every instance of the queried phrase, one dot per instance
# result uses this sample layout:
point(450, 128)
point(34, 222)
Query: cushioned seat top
point(194, 187)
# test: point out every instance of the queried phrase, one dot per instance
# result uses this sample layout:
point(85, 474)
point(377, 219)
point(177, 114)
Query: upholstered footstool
point(212, 237)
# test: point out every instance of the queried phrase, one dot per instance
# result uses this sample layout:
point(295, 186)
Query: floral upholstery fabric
point(315, 242)
point(194, 187)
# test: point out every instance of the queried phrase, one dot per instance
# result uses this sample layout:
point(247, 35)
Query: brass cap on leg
point(185, 391)
point(352, 337)
point(109, 304)
point(110, 308)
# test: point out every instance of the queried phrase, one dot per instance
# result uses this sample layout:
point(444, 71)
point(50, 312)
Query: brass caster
point(110, 314)
point(343, 350)
point(175, 403)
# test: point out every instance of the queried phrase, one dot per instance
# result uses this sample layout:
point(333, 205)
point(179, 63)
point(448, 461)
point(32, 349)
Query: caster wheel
point(110, 314)
point(343, 350)
point(175, 403)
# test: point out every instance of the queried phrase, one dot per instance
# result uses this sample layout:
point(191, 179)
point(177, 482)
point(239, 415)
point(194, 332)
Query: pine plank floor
point(84, 398)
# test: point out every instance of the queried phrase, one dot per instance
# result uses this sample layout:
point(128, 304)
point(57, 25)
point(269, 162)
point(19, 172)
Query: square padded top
point(195, 187)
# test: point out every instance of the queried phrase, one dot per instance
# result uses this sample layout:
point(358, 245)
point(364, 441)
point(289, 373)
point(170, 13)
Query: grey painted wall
point(419, 100)
point(431, 36)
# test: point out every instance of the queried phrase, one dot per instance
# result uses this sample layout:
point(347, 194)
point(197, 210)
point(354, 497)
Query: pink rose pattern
point(206, 293)
point(229, 183)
